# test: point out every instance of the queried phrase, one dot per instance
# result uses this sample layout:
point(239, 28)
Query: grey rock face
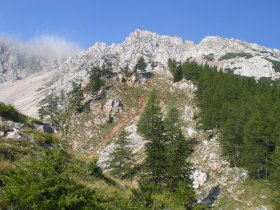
point(198, 177)
point(112, 107)
point(241, 57)
point(19, 59)
point(14, 135)
point(227, 54)
point(238, 56)
point(44, 128)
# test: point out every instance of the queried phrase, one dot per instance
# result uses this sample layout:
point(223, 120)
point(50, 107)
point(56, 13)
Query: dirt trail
point(119, 127)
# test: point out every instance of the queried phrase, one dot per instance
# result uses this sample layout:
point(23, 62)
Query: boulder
point(198, 178)
point(101, 94)
point(18, 126)
point(44, 128)
point(183, 85)
point(191, 131)
point(48, 129)
point(14, 135)
point(112, 107)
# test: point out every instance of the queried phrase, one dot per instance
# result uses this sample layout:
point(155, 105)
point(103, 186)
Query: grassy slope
point(249, 194)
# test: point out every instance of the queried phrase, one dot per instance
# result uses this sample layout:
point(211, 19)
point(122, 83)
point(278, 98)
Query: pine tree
point(95, 81)
point(57, 113)
point(178, 151)
point(275, 178)
point(259, 144)
point(232, 138)
point(151, 127)
point(44, 183)
point(51, 107)
point(152, 113)
point(76, 97)
point(141, 64)
point(175, 69)
point(121, 156)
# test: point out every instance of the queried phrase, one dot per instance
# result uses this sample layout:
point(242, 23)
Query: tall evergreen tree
point(178, 151)
point(121, 156)
point(259, 144)
point(151, 127)
point(141, 64)
point(45, 184)
point(175, 69)
point(275, 179)
point(95, 81)
point(76, 96)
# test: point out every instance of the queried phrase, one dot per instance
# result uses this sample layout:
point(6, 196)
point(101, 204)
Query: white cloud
point(45, 46)
point(50, 46)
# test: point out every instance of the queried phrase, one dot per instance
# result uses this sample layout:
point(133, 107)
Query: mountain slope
point(229, 54)
point(91, 130)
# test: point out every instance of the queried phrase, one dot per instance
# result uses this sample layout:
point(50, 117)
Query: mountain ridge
point(241, 57)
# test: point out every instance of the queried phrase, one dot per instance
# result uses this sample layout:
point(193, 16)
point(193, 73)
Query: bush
point(11, 113)
point(45, 184)
point(94, 169)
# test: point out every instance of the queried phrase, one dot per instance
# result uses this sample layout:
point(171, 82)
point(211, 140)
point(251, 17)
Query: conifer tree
point(121, 156)
point(141, 64)
point(151, 127)
point(76, 97)
point(175, 69)
point(57, 112)
point(95, 81)
point(259, 144)
point(45, 183)
point(178, 151)
point(275, 179)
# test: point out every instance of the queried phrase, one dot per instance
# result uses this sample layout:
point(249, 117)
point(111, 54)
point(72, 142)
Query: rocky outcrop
point(15, 131)
point(44, 128)
point(207, 158)
point(228, 54)
point(19, 59)
point(184, 85)
point(136, 143)
point(15, 134)
point(240, 57)
point(112, 107)
point(198, 178)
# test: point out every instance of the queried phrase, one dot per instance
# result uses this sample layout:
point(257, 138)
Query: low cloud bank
point(46, 46)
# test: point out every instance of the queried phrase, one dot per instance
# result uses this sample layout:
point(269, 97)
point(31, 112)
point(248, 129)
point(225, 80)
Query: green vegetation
point(175, 69)
point(276, 64)
point(95, 81)
point(165, 167)
point(141, 64)
point(9, 112)
point(246, 113)
point(47, 183)
point(76, 97)
point(56, 112)
point(250, 194)
point(121, 156)
point(235, 55)
point(42, 139)
point(209, 57)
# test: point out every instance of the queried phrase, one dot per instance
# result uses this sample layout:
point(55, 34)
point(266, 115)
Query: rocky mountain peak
point(17, 61)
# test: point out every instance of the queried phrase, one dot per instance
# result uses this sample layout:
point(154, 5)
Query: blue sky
point(88, 21)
